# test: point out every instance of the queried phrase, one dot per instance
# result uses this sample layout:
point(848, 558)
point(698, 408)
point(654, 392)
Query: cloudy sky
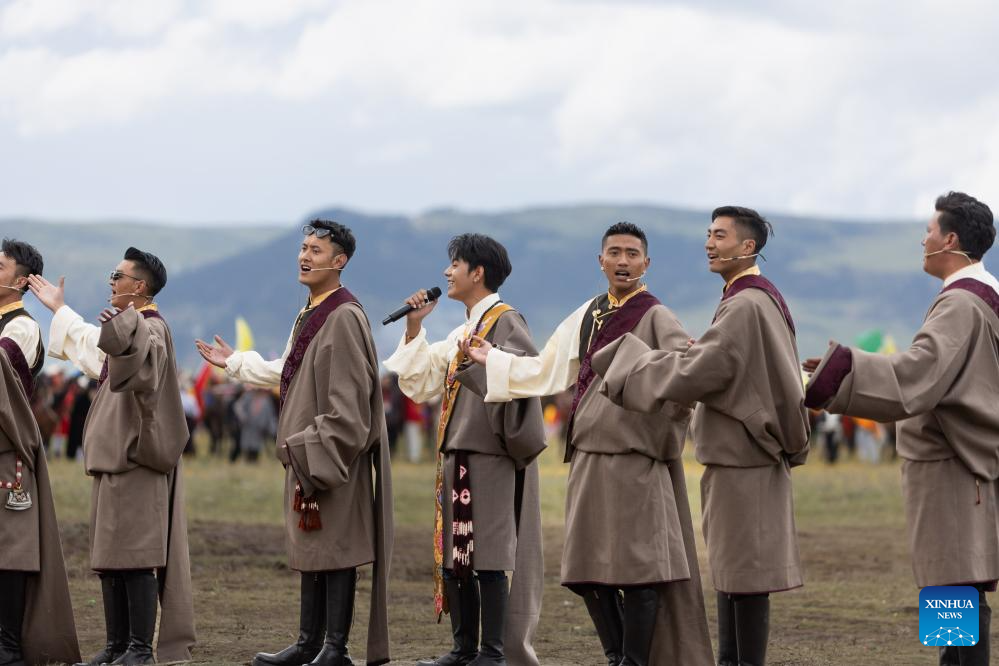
point(258, 110)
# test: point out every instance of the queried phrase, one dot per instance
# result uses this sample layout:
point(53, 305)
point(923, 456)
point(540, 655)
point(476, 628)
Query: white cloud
point(837, 108)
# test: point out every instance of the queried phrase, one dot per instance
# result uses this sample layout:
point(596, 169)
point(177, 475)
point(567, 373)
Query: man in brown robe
point(36, 617)
point(943, 391)
point(751, 426)
point(132, 443)
point(488, 518)
point(333, 443)
point(639, 579)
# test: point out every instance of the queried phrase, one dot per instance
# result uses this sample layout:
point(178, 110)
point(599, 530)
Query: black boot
point(312, 626)
point(640, 606)
point(949, 656)
point(142, 592)
point(605, 608)
point(463, 607)
point(12, 586)
point(115, 619)
point(728, 647)
point(752, 627)
point(340, 586)
point(493, 593)
point(978, 654)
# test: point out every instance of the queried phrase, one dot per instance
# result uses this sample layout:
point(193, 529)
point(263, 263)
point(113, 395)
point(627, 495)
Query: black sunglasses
point(320, 232)
point(117, 275)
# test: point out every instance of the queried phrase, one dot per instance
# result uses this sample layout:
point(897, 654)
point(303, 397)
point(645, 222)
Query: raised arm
point(137, 352)
point(511, 376)
point(72, 339)
point(643, 379)
point(897, 386)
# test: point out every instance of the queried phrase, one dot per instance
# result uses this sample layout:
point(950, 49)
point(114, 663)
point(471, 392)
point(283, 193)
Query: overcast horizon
point(217, 112)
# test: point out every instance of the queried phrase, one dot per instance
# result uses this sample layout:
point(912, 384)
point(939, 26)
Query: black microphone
point(432, 295)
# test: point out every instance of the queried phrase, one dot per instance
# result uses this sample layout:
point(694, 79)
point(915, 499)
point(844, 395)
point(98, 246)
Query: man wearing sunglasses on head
point(132, 443)
point(333, 443)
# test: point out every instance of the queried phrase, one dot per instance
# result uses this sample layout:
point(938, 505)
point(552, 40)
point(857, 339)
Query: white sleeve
point(251, 368)
point(25, 333)
point(72, 339)
point(555, 369)
point(421, 366)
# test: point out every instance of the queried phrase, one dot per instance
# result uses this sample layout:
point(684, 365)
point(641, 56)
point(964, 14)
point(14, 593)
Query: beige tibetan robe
point(944, 393)
point(503, 440)
point(750, 426)
point(30, 538)
point(332, 439)
point(627, 515)
point(132, 443)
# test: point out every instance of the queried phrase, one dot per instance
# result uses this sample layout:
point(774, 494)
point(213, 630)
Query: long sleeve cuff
point(405, 354)
point(59, 331)
point(828, 377)
point(233, 364)
point(498, 363)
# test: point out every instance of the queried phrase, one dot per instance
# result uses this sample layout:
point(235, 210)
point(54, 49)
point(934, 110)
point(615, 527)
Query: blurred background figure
point(257, 418)
point(870, 435)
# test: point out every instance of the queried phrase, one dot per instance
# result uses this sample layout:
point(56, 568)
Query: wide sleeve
point(137, 352)
point(519, 423)
point(344, 374)
point(643, 379)
point(26, 334)
point(18, 431)
point(251, 368)
point(72, 339)
point(555, 369)
point(422, 366)
point(897, 386)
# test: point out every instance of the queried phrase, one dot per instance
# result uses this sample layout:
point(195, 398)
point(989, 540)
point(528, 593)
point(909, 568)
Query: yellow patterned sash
point(451, 386)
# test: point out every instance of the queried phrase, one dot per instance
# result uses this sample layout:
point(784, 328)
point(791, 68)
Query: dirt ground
point(858, 606)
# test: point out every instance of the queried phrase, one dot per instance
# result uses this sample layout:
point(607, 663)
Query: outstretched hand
point(51, 296)
point(216, 354)
point(477, 353)
point(107, 314)
point(809, 365)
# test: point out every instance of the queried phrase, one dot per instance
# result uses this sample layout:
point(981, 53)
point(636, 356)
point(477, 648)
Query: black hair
point(970, 219)
point(480, 250)
point(748, 223)
point(150, 269)
point(27, 259)
point(626, 229)
point(339, 235)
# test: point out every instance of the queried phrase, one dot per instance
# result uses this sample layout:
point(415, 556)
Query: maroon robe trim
point(20, 364)
point(760, 282)
point(308, 332)
point(148, 314)
point(978, 288)
point(824, 386)
point(623, 321)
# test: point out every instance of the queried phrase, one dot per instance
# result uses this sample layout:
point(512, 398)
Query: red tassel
point(297, 503)
point(311, 518)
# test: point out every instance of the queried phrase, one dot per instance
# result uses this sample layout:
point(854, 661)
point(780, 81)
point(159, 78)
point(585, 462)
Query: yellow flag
point(888, 346)
point(244, 336)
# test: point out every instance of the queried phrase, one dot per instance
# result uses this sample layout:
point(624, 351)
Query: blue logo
point(948, 615)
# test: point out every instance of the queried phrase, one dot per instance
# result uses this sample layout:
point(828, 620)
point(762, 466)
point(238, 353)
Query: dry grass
point(859, 604)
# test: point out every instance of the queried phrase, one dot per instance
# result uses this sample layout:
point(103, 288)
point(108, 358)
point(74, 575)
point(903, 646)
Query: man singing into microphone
point(333, 443)
point(629, 541)
point(749, 429)
point(943, 391)
point(32, 571)
point(488, 512)
point(132, 443)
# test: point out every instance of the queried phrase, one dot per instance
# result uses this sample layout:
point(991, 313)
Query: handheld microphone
point(432, 295)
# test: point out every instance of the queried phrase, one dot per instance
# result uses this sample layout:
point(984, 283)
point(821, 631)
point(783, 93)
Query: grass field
point(858, 606)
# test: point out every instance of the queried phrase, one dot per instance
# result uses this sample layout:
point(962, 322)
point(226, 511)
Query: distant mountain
point(840, 278)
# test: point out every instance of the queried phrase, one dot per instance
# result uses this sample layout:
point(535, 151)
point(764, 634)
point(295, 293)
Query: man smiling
point(638, 577)
point(750, 427)
point(486, 466)
point(333, 443)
